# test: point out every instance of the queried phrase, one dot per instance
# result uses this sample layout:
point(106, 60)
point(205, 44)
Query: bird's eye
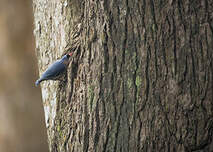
point(68, 55)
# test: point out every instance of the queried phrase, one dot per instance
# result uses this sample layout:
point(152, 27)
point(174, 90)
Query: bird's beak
point(71, 53)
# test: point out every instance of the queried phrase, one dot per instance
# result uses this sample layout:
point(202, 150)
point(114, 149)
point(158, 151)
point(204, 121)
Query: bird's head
point(67, 56)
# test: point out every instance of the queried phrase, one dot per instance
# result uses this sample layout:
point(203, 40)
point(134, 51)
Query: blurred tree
point(22, 126)
point(141, 78)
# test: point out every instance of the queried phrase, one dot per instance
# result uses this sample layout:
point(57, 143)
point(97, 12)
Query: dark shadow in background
point(22, 127)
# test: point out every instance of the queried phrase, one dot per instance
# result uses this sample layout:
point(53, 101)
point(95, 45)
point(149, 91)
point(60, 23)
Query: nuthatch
point(55, 70)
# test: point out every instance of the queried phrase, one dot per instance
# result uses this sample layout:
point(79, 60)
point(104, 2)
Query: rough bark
point(141, 78)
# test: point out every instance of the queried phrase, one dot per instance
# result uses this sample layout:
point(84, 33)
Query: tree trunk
point(141, 78)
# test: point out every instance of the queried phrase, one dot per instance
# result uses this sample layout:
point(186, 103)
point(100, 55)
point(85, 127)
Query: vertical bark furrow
point(106, 52)
point(97, 131)
point(153, 13)
point(116, 134)
point(86, 128)
point(147, 73)
point(192, 59)
point(174, 46)
point(105, 143)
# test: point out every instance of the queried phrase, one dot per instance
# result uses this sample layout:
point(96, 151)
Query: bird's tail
point(37, 82)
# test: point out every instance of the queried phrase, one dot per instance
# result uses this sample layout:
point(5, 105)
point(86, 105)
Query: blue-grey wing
point(54, 70)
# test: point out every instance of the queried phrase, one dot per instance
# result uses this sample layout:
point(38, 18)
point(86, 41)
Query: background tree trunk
point(141, 78)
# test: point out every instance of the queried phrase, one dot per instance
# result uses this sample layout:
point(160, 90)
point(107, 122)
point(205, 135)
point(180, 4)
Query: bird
point(55, 70)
